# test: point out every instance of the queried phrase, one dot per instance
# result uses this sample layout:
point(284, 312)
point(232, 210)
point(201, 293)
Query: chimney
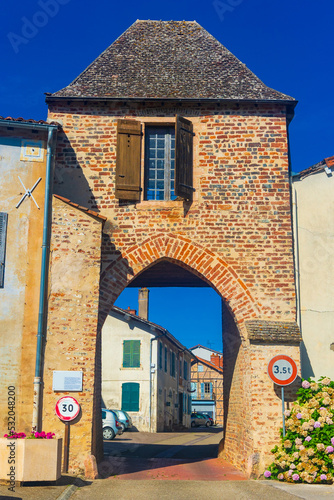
point(217, 360)
point(132, 311)
point(143, 303)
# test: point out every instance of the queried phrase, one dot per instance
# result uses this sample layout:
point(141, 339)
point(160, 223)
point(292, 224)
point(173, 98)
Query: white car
point(111, 426)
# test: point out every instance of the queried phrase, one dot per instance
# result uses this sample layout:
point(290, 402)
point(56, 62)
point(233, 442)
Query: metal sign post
point(67, 409)
point(66, 446)
point(283, 371)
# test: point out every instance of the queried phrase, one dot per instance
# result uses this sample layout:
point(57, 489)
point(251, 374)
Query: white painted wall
point(115, 330)
point(314, 235)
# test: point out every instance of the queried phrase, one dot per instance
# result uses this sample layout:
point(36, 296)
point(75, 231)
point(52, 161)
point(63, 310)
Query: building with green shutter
point(146, 372)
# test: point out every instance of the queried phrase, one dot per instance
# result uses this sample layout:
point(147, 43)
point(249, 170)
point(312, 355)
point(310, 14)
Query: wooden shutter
point(135, 353)
point(131, 353)
point(3, 233)
point(127, 353)
point(128, 160)
point(160, 355)
point(185, 370)
point(202, 390)
point(130, 396)
point(184, 158)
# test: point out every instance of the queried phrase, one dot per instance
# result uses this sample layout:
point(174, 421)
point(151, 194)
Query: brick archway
point(205, 264)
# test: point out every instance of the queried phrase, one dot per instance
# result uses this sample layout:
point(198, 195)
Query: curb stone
point(70, 490)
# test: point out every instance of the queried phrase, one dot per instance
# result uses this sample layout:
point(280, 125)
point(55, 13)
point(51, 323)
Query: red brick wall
point(235, 235)
point(241, 209)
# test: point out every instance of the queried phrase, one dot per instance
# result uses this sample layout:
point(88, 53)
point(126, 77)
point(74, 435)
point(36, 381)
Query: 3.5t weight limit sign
point(282, 370)
point(67, 408)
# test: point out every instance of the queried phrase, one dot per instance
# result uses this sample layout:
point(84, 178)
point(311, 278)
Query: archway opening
point(181, 307)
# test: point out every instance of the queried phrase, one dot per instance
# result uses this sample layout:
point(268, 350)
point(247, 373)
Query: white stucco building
point(313, 208)
point(145, 371)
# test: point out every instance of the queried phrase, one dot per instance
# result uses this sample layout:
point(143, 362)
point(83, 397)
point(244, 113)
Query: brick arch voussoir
point(181, 250)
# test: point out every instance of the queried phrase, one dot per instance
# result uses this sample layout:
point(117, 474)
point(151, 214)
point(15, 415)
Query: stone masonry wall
point(235, 234)
point(72, 322)
point(241, 207)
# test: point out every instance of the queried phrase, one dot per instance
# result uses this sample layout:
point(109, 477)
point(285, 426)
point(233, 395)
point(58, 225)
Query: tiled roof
point(209, 364)
point(317, 167)
point(273, 332)
point(168, 60)
point(79, 207)
point(28, 120)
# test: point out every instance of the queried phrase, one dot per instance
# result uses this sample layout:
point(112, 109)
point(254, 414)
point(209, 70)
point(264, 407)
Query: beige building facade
point(313, 198)
point(26, 173)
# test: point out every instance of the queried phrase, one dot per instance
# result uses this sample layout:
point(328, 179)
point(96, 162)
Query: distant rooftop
point(13, 121)
point(324, 165)
point(199, 346)
point(168, 60)
point(155, 328)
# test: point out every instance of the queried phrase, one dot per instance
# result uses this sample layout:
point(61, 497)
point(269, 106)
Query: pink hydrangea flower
point(295, 477)
point(332, 441)
point(267, 473)
point(323, 477)
point(306, 384)
point(299, 416)
point(329, 449)
point(280, 477)
point(308, 438)
point(317, 424)
point(289, 473)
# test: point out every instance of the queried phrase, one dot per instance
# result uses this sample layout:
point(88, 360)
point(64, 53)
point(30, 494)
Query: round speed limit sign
point(282, 370)
point(67, 408)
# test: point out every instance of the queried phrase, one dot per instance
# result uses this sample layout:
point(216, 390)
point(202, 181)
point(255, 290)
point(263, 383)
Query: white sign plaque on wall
point(67, 381)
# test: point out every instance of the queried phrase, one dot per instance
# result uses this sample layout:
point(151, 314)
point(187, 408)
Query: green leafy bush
point(306, 453)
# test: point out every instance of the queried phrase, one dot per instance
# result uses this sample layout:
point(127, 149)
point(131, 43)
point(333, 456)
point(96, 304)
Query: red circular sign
point(282, 370)
point(67, 408)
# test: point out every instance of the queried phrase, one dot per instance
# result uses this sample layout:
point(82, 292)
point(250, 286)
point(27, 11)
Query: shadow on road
point(127, 455)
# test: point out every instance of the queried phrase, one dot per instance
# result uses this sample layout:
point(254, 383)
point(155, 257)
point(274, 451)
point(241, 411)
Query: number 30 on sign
point(282, 370)
point(67, 408)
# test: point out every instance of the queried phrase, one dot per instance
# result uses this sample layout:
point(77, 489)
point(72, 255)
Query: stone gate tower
point(179, 153)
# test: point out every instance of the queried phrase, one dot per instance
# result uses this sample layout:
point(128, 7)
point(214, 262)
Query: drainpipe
point(150, 410)
point(44, 277)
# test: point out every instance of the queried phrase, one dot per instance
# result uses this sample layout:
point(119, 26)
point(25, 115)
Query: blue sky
point(45, 44)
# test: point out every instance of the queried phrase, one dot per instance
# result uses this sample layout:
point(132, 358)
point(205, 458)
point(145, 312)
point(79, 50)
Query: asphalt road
point(200, 443)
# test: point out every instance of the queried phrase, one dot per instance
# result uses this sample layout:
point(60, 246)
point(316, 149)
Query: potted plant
point(30, 458)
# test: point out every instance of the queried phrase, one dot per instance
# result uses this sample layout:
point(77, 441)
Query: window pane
point(159, 162)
